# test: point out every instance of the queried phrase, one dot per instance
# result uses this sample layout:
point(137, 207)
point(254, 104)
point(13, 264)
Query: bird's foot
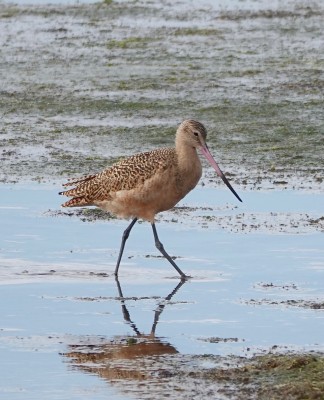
point(185, 277)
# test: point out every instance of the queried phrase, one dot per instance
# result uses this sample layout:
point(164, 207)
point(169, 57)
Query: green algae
point(291, 376)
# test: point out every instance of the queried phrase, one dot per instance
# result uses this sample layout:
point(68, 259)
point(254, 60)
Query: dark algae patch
point(310, 304)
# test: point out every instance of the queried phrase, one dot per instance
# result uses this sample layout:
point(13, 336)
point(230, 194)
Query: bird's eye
point(196, 133)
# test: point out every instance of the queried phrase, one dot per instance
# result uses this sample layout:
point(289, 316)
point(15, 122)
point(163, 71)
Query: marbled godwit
point(147, 183)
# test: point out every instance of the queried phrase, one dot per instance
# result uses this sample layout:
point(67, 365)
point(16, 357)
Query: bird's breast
point(159, 193)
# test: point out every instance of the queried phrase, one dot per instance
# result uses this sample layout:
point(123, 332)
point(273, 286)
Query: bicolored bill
point(204, 149)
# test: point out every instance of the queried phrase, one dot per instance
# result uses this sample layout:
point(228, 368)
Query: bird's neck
point(189, 166)
point(187, 157)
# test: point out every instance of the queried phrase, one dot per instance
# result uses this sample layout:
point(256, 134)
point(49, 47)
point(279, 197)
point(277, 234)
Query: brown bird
point(147, 183)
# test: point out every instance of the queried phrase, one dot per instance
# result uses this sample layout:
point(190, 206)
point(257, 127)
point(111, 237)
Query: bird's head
point(193, 133)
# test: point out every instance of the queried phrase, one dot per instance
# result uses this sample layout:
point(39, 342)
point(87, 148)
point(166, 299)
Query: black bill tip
point(225, 180)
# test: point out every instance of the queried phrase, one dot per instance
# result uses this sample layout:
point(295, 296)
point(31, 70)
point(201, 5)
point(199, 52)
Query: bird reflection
point(123, 357)
point(157, 313)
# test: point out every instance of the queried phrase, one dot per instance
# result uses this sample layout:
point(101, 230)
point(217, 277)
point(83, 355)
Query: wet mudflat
point(83, 85)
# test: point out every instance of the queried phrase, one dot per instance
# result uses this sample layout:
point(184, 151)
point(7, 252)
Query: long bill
point(204, 149)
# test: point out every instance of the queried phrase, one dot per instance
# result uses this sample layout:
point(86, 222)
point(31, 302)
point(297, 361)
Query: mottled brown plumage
point(147, 183)
point(144, 184)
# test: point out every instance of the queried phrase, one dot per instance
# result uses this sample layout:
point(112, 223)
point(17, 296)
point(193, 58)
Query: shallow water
point(58, 294)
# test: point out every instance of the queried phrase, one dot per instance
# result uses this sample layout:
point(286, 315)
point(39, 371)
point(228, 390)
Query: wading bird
point(147, 183)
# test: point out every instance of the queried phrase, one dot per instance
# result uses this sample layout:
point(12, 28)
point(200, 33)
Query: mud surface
point(208, 217)
point(83, 85)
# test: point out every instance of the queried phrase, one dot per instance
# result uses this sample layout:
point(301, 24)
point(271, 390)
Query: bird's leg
point(160, 247)
point(124, 238)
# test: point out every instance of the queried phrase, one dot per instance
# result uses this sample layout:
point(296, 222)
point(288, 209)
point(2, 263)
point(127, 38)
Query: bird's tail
point(79, 201)
point(82, 179)
point(78, 193)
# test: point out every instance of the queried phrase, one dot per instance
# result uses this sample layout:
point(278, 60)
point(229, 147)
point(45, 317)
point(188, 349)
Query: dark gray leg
point(160, 247)
point(124, 238)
